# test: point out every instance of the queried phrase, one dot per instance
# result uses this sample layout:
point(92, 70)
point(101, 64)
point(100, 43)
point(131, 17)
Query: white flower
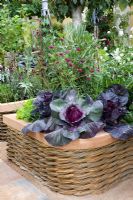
point(121, 33)
point(116, 55)
point(108, 32)
point(130, 36)
point(117, 51)
point(105, 48)
point(131, 29)
point(121, 54)
point(118, 58)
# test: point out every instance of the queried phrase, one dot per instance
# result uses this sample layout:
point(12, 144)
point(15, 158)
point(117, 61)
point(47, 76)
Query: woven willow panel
point(73, 172)
point(3, 128)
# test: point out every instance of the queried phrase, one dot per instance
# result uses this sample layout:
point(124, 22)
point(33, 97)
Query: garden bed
point(6, 108)
point(81, 167)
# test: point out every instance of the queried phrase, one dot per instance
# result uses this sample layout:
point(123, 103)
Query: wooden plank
point(101, 139)
point(10, 107)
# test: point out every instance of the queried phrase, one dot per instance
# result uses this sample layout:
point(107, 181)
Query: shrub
point(6, 94)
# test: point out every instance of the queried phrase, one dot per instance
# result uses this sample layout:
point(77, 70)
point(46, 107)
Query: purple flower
point(88, 78)
point(92, 70)
point(78, 49)
point(67, 51)
point(73, 114)
point(51, 47)
point(70, 64)
point(80, 70)
point(81, 61)
point(67, 60)
point(60, 54)
point(98, 69)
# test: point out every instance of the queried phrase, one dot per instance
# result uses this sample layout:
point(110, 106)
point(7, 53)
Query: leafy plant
point(128, 118)
point(25, 111)
point(114, 103)
point(116, 68)
point(19, 85)
point(91, 69)
point(26, 87)
point(61, 9)
point(66, 117)
point(11, 38)
point(121, 131)
point(70, 65)
point(115, 100)
point(70, 118)
point(24, 7)
point(6, 94)
point(42, 104)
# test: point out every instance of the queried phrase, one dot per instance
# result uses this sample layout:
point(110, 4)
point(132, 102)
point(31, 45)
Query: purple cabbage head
point(65, 116)
point(114, 103)
point(73, 114)
point(42, 104)
point(121, 92)
point(43, 97)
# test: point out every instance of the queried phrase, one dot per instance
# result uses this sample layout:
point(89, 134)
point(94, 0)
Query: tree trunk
point(77, 16)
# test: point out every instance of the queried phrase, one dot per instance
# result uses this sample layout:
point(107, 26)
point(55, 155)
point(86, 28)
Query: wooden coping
point(10, 107)
point(100, 140)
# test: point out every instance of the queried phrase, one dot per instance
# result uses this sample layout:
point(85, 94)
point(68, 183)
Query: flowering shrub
point(72, 62)
point(78, 61)
point(117, 68)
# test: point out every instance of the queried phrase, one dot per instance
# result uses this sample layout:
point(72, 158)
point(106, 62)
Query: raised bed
point(82, 167)
point(6, 108)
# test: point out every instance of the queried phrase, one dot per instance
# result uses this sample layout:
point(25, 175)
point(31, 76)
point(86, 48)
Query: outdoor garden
point(66, 91)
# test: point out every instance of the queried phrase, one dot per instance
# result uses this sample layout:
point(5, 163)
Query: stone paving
point(16, 184)
point(14, 187)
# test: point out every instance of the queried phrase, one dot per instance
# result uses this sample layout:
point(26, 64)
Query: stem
point(96, 31)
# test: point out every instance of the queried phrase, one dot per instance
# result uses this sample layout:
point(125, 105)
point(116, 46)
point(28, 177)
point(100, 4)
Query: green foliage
point(129, 116)
point(20, 86)
point(117, 67)
point(17, 57)
point(11, 38)
point(25, 86)
point(72, 61)
point(23, 7)
point(63, 8)
point(31, 8)
point(78, 61)
point(6, 94)
point(24, 112)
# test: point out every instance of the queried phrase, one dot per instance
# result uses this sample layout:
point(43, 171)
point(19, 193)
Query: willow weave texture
point(73, 172)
